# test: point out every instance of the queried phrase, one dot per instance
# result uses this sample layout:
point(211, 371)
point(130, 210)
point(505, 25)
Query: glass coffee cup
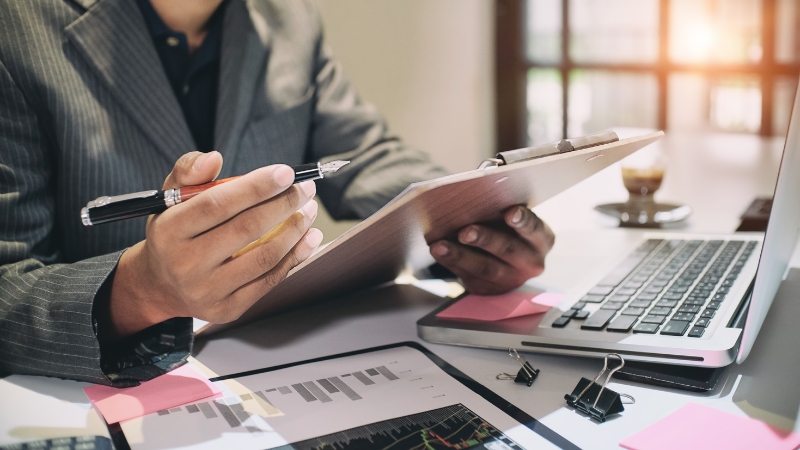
point(642, 183)
point(642, 175)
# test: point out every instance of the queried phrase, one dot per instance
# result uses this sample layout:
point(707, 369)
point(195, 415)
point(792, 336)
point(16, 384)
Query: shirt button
point(185, 89)
point(173, 41)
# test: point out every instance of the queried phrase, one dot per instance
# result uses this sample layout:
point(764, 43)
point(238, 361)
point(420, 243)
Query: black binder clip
point(526, 372)
point(595, 400)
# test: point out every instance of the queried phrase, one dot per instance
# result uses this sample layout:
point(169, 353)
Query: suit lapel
point(114, 40)
point(244, 47)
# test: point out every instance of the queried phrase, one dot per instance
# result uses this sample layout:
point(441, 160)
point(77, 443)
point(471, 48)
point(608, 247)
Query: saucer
point(645, 215)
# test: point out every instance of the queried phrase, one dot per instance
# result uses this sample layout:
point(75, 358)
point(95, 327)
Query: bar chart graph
point(236, 413)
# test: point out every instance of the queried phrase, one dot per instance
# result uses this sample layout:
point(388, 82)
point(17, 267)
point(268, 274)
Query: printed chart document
point(395, 398)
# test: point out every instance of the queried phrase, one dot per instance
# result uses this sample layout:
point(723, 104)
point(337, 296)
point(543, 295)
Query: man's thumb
point(194, 168)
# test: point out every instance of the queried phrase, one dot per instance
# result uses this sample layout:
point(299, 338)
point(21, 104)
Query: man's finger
point(244, 297)
point(222, 202)
point(505, 245)
point(194, 168)
point(253, 223)
point(469, 263)
point(264, 255)
point(531, 228)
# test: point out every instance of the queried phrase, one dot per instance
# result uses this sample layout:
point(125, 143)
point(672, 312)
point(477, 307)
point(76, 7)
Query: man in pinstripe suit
point(101, 97)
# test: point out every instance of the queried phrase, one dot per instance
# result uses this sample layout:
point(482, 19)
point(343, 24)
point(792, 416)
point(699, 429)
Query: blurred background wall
point(428, 66)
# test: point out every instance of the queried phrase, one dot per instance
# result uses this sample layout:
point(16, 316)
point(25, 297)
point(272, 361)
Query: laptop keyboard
point(669, 287)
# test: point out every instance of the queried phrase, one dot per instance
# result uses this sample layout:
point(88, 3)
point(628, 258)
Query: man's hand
point(496, 259)
point(192, 265)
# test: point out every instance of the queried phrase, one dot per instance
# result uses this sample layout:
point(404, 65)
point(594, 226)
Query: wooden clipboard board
point(395, 238)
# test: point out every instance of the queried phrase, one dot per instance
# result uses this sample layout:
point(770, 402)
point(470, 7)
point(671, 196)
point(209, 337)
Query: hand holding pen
point(216, 255)
point(111, 209)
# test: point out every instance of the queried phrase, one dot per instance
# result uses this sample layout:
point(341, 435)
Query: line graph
point(452, 427)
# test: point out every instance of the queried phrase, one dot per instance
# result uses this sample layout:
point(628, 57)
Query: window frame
point(512, 66)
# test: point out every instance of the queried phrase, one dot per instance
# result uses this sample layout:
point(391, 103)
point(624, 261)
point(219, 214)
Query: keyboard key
point(613, 305)
point(600, 290)
point(708, 313)
point(561, 322)
point(649, 297)
point(652, 318)
point(633, 284)
point(697, 332)
point(667, 303)
point(705, 293)
point(678, 289)
point(626, 291)
point(684, 316)
point(718, 297)
point(641, 303)
point(569, 314)
point(661, 311)
point(579, 306)
point(581, 315)
point(633, 311)
point(659, 283)
point(675, 328)
point(702, 322)
point(714, 305)
point(593, 298)
point(692, 300)
point(619, 298)
point(622, 324)
point(653, 289)
point(689, 308)
point(648, 328)
point(598, 320)
point(671, 296)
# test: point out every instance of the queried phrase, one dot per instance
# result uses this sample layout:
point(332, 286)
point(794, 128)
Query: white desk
point(717, 175)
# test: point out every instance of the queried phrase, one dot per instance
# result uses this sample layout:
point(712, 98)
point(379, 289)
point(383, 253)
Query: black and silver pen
point(120, 207)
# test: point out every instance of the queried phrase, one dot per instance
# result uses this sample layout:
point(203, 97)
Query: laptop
point(670, 298)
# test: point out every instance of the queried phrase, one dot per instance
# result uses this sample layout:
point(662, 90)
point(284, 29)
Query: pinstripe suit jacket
point(86, 110)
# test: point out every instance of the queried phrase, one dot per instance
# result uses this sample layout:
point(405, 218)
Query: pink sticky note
point(183, 385)
point(701, 427)
point(498, 307)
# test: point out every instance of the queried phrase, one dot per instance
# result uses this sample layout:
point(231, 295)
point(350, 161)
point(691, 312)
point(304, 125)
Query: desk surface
point(718, 175)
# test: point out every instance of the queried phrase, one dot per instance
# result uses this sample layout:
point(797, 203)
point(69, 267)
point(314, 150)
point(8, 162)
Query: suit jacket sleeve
point(46, 319)
point(345, 127)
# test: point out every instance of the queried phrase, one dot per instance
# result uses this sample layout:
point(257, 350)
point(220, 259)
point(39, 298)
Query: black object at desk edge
point(499, 402)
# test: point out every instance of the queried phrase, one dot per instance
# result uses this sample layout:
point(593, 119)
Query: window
point(572, 67)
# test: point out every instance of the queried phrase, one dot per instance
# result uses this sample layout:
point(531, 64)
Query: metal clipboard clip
point(552, 148)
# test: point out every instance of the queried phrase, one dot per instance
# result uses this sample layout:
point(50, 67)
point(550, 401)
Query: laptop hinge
point(738, 319)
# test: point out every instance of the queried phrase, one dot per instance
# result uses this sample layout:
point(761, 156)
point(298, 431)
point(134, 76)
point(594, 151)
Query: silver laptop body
point(674, 298)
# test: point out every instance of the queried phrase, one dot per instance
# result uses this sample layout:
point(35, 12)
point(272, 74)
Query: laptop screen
point(781, 237)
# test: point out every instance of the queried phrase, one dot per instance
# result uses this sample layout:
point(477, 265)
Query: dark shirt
point(194, 77)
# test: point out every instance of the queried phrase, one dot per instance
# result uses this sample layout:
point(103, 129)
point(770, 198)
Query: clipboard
point(517, 415)
point(396, 238)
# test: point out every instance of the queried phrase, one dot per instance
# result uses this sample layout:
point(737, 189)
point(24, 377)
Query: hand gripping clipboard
point(395, 238)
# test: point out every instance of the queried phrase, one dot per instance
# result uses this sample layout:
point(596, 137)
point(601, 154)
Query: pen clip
point(107, 200)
